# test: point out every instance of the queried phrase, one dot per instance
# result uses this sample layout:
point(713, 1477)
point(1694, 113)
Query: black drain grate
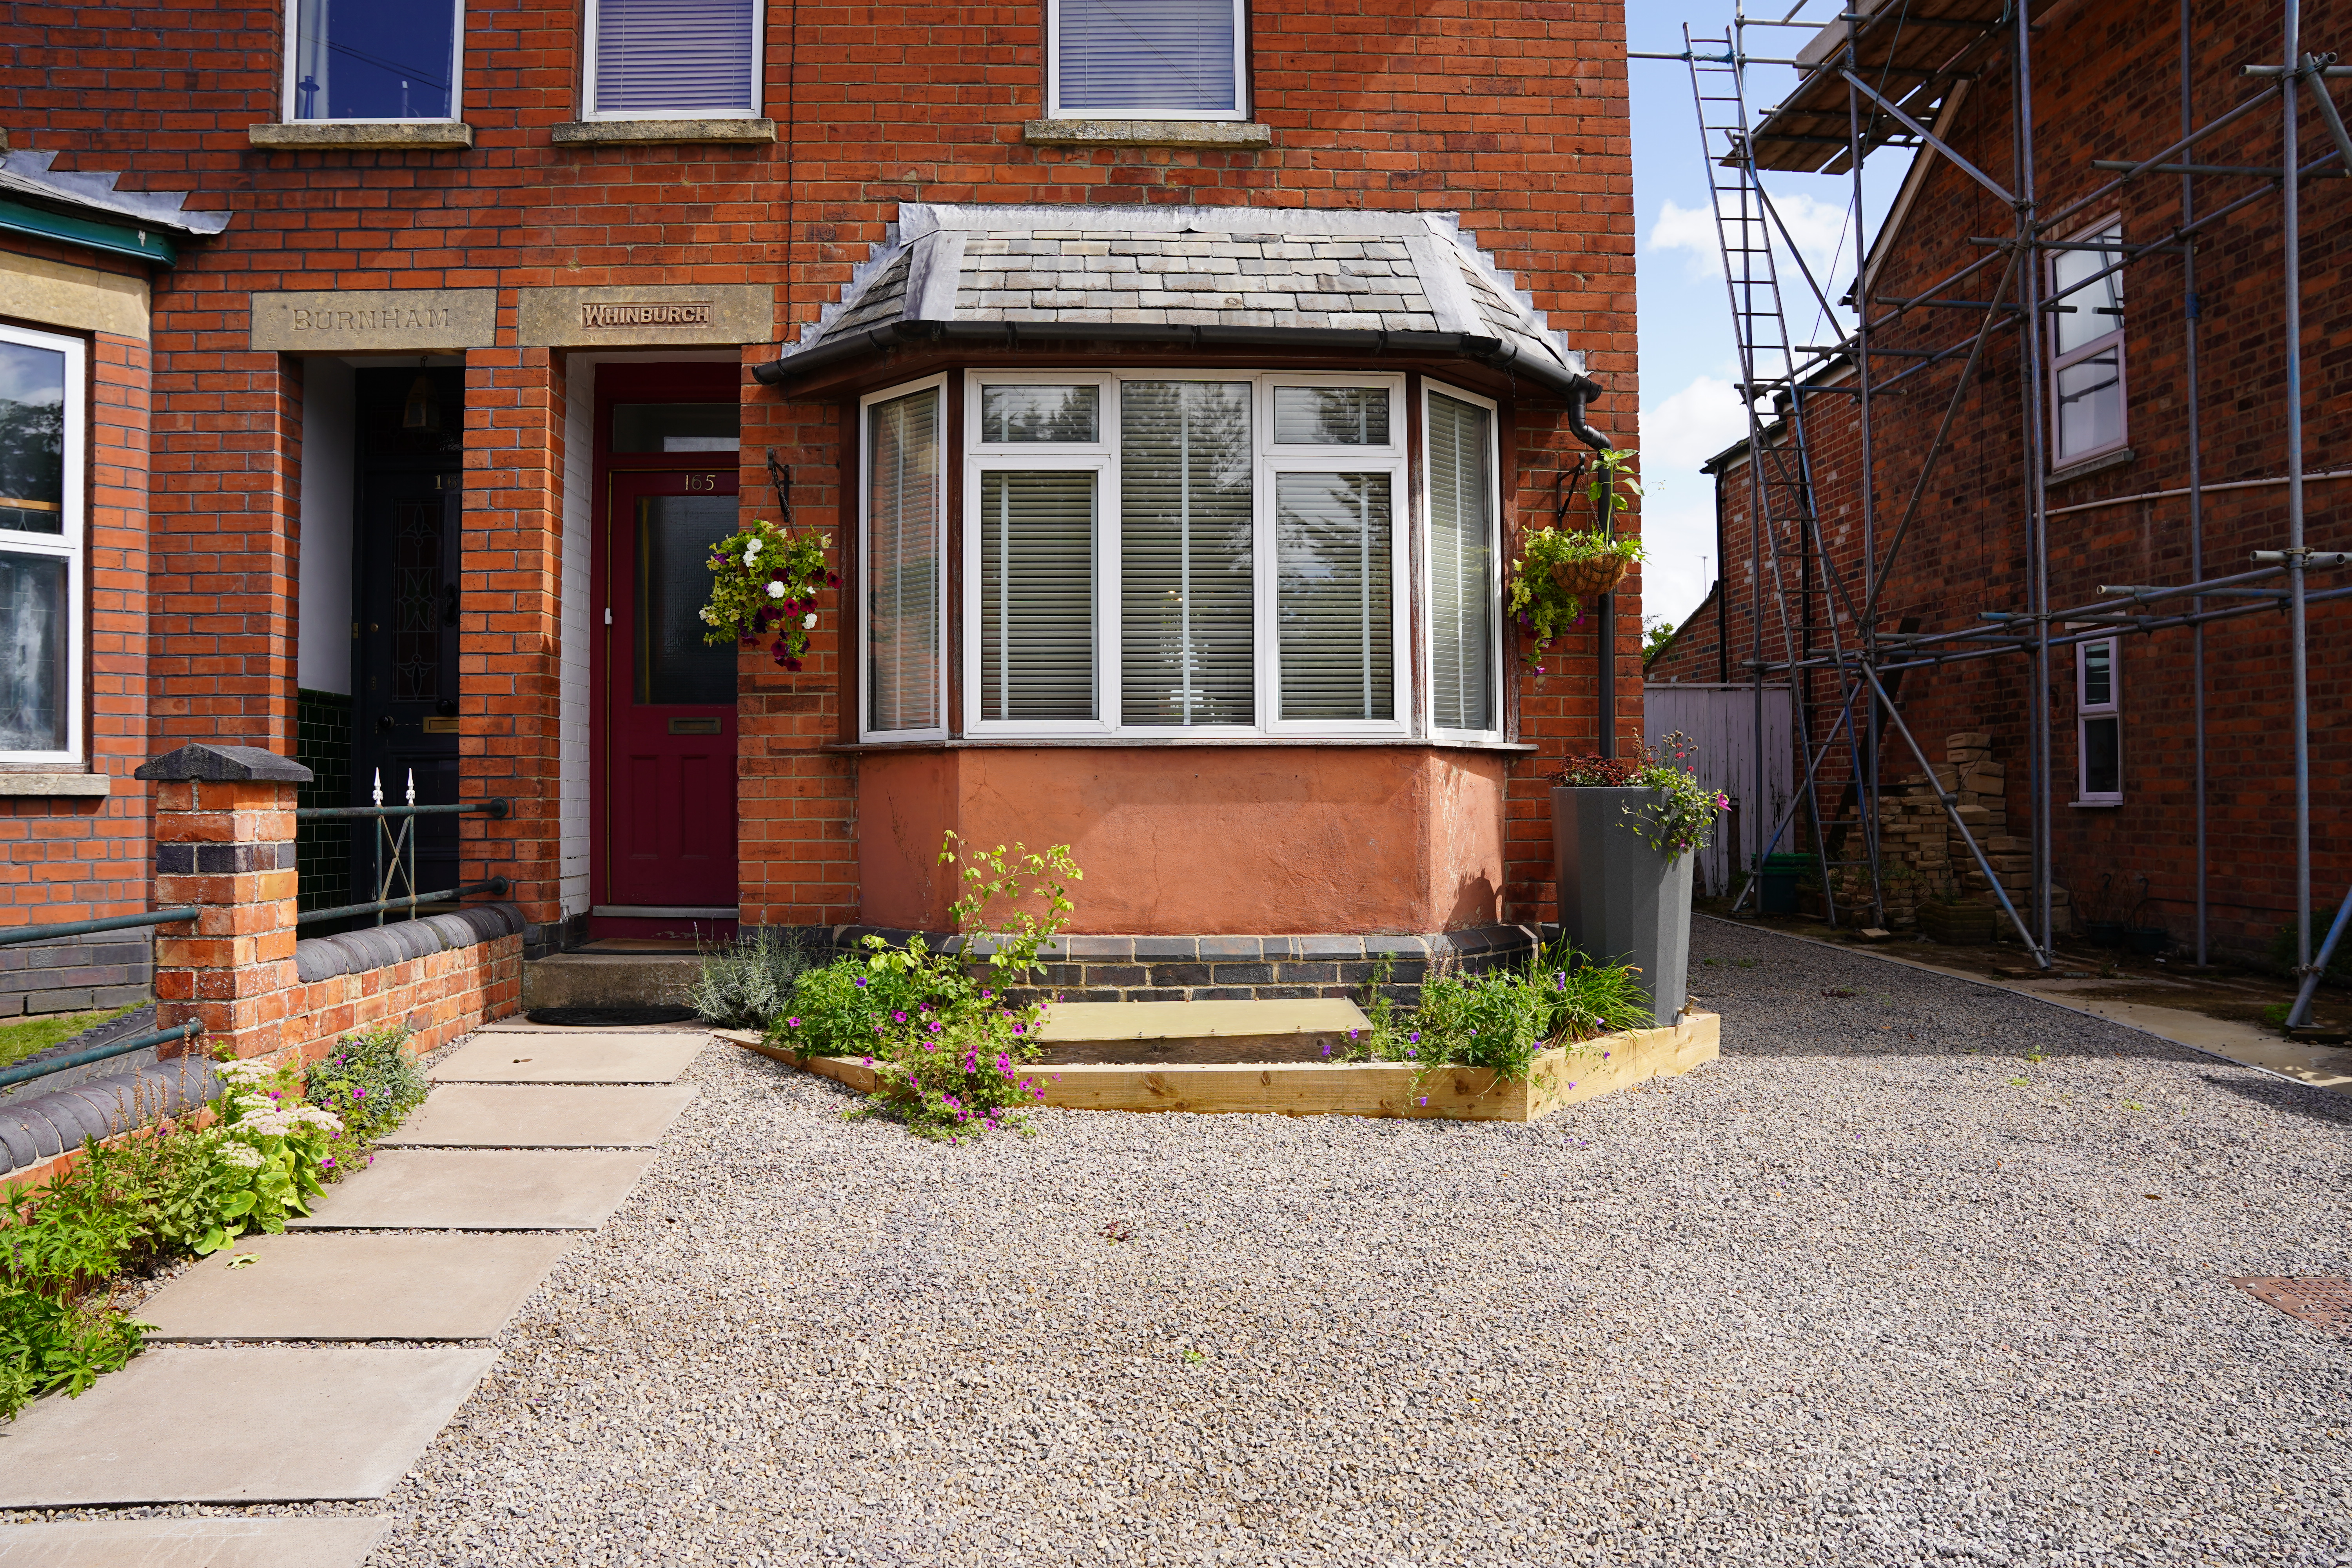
point(608, 1017)
point(2322, 1302)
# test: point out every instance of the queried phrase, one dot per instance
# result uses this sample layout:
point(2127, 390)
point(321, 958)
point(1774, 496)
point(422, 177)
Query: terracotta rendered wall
point(1269, 840)
point(2106, 82)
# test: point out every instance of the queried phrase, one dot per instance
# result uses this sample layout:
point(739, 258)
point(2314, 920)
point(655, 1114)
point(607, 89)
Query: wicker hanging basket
point(1590, 579)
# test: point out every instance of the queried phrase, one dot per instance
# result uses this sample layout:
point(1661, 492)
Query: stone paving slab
point(566, 1058)
point(270, 1425)
point(481, 1189)
point(542, 1115)
point(282, 1540)
point(348, 1286)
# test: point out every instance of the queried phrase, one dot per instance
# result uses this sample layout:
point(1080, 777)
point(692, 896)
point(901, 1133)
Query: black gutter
point(1495, 353)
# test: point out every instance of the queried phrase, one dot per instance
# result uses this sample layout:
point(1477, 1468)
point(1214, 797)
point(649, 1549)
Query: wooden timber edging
point(1563, 1075)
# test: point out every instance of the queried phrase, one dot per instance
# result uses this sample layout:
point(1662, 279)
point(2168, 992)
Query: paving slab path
point(542, 1115)
point(426, 1244)
point(356, 1285)
point(282, 1541)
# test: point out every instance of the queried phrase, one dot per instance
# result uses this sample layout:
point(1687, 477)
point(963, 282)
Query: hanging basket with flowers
point(764, 581)
point(1559, 570)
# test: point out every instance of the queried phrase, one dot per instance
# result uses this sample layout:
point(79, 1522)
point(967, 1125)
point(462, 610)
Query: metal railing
point(395, 853)
point(25, 1072)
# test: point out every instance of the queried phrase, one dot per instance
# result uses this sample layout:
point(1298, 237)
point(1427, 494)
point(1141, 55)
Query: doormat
point(608, 1017)
point(2322, 1302)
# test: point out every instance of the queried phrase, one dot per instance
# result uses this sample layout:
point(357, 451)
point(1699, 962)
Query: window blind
point(902, 564)
point(1331, 416)
point(1169, 56)
point(662, 57)
point(1461, 554)
point(1186, 554)
point(1332, 596)
point(1036, 595)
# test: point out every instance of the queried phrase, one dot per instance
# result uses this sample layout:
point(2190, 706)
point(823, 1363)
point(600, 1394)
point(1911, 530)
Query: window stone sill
point(617, 133)
point(1240, 135)
point(2095, 805)
point(29, 785)
point(2098, 465)
point(1140, 742)
point(432, 134)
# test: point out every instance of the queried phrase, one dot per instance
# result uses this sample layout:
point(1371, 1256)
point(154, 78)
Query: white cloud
point(1818, 226)
point(1691, 425)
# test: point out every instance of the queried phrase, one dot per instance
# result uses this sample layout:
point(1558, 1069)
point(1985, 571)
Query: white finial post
point(379, 786)
point(412, 786)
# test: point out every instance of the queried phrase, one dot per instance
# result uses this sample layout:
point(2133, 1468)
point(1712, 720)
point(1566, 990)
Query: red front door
point(666, 742)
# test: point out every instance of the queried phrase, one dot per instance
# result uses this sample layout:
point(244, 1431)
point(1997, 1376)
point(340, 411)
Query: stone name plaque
point(637, 315)
point(401, 319)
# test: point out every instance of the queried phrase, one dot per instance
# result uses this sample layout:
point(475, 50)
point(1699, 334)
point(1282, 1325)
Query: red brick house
point(1167, 374)
point(2153, 464)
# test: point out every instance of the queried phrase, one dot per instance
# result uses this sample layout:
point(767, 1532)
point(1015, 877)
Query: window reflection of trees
point(1188, 626)
point(1332, 554)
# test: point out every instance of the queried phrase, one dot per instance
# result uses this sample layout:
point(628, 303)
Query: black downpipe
point(1583, 391)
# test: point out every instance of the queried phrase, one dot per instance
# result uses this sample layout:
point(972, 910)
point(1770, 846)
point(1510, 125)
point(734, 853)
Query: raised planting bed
point(1563, 1075)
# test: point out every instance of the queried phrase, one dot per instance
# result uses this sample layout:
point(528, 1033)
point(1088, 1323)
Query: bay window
point(1179, 554)
point(41, 437)
point(900, 540)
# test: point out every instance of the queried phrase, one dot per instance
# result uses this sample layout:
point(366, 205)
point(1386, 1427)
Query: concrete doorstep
point(285, 1540)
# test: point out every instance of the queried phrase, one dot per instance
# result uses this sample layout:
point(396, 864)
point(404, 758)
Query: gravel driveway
point(1874, 1288)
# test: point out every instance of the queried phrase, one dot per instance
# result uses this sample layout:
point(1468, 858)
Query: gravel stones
point(1850, 1295)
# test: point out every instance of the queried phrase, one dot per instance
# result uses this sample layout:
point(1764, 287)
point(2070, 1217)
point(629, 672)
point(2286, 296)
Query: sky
point(1689, 358)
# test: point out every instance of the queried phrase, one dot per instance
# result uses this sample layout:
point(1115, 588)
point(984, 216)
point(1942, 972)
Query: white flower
point(809, 621)
point(254, 1102)
point(247, 1071)
point(775, 590)
point(245, 1156)
point(751, 551)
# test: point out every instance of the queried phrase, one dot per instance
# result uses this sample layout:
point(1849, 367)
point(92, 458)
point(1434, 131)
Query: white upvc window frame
point(865, 731)
point(1099, 458)
point(289, 102)
point(757, 108)
point(1427, 589)
point(1268, 460)
point(1054, 109)
point(68, 545)
point(2087, 712)
point(1274, 459)
point(2060, 362)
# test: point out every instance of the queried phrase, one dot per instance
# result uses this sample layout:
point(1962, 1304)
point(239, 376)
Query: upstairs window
point(2086, 331)
point(362, 59)
point(1146, 60)
point(673, 59)
point(2098, 723)
point(41, 589)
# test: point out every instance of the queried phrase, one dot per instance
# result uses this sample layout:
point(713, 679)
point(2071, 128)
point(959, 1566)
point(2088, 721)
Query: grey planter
point(1619, 900)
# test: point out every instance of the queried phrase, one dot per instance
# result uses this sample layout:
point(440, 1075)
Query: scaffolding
point(1887, 76)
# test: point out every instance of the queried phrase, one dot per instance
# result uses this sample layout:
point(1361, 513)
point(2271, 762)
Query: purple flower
point(1020, 1028)
point(861, 979)
point(792, 1023)
point(870, 1062)
point(1004, 1064)
point(1351, 1034)
point(359, 1094)
point(1414, 1036)
point(897, 1017)
point(1571, 1086)
point(935, 1026)
point(1424, 1099)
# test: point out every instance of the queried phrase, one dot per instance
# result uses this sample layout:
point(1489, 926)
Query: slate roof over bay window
point(1348, 281)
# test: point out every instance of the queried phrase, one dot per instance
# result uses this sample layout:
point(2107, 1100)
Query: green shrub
point(1499, 1018)
point(748, 984)
point(947, 1047)
point(370, 1081)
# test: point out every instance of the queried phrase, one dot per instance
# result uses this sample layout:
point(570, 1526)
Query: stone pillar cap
point(223, 764)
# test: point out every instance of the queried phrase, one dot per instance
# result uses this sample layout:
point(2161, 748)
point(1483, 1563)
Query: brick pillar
point(509, 627)
point(225, 843)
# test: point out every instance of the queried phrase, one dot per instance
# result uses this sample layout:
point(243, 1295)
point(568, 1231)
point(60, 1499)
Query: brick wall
point(440, 996)
point(2106, 80)
point(1515, 116)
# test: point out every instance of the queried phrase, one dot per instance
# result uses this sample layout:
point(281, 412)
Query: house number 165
point(701, 482)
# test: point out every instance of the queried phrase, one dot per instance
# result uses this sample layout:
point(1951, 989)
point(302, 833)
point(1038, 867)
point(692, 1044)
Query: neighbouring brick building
point(1168, 375)
point(2117, 438)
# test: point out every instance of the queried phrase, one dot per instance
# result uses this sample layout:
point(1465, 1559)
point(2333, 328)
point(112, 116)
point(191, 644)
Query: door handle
point(449, 605)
